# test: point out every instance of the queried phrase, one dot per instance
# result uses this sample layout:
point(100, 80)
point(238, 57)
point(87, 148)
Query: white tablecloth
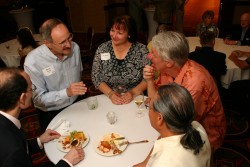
point(94, 123)
point(234, 73)
point(11, 57)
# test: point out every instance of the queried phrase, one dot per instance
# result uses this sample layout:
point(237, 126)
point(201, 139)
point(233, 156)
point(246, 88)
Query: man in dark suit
point(241, 35)
point(212, 60)
point(15, 95)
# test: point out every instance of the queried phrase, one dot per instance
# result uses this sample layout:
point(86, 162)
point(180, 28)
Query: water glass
point(111, 117)
point(92, 103)
point(120, 89)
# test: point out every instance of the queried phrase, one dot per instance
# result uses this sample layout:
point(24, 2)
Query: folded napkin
point(62, 127)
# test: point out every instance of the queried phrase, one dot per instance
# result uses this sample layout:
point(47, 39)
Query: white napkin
point(62, 127)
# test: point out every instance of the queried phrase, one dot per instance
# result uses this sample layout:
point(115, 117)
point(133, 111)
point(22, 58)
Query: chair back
point(90, 36)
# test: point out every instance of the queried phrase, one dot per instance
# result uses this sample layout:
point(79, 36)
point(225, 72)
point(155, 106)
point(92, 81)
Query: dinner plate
point(67, 148)
point(110, 153)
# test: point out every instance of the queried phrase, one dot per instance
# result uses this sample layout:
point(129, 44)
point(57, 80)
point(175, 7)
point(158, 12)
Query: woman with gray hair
point(169, 56)
point(182, 141)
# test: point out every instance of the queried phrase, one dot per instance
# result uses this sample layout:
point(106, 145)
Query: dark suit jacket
point(14, 150)
point(236, 35)
point(212, 60)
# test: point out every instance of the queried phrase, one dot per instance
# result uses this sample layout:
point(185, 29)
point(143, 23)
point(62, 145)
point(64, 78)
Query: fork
point(135, 142)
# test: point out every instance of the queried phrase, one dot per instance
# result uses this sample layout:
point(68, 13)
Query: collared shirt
point(52, 76)
point(12, 119)
point(209, 111)
point(17, 123)
point(243, 34)
point(168, 151)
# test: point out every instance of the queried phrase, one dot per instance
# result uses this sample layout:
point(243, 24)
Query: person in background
point(160, 28)
point(213, 61)
point(207, 24)
point(169, 55)
point(27, 42)
point(55, 69)
point(136, 11)
point(241, 35)
point(164, 10)
point(15, 94)
point(120, 61)
point(182, 141)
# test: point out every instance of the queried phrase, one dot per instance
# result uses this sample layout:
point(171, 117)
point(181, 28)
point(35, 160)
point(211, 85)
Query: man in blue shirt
point(55, 69)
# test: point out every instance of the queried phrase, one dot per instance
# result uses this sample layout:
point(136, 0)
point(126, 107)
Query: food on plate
point(109, 143)
point(74, 139)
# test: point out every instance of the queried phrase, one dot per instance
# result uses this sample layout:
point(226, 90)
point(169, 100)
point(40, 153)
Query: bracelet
point(110, 93)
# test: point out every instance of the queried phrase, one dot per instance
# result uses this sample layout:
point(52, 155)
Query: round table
point(94, 123)
point(10, 56)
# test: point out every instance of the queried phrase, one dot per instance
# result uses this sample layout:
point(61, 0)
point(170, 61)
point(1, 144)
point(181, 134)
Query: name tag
point(105, 56)
point(48, 71)
point(210, 29)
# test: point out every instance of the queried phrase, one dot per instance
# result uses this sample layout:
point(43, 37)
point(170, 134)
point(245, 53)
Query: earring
point(129, 36)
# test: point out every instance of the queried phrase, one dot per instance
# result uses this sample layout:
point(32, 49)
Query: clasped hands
point(119, 99)
point(77, 88)
point(230, 42)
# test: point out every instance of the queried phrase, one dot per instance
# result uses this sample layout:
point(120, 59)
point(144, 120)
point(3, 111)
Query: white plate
point(63, 149)
point(110, 153)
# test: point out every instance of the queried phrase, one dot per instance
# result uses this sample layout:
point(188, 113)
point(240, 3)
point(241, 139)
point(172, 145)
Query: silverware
point(135, 142)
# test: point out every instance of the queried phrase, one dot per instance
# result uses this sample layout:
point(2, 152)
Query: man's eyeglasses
point(32, 89)
point(64, 43)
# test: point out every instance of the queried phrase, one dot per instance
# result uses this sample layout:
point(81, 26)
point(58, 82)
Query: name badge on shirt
point(105, 56)
point(48, 71)
point(211, 29)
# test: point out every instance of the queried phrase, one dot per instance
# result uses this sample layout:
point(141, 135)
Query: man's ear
point(169, 63)
point(22, 99)
point(47, 43)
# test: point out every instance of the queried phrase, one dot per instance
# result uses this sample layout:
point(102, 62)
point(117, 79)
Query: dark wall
point(44, 9)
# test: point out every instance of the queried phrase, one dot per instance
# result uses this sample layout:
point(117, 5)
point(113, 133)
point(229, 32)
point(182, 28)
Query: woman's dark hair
point(127, 23)
point(26, 38)
point(12, 85)
point(176, 105)
point(208, 13)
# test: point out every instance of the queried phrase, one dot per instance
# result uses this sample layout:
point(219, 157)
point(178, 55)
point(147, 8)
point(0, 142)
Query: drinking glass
point(111, 117)
point(120, 89)
point(92, 103)
point(139, 100)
